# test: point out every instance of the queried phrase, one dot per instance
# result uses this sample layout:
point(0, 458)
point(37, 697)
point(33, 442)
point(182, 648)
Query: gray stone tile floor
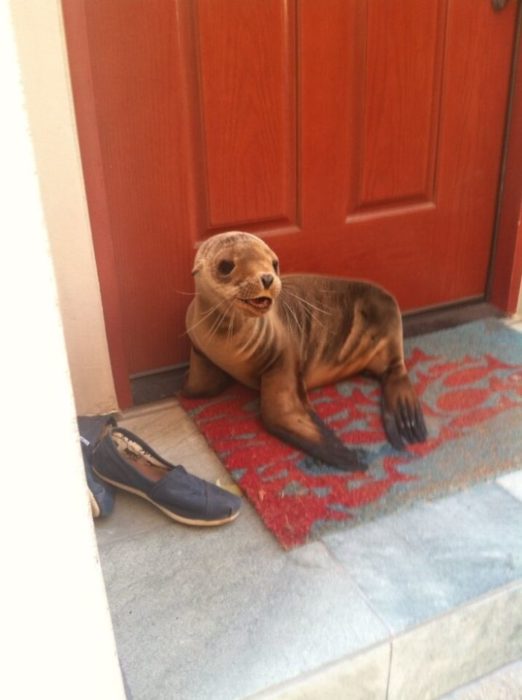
point(504, 684)
point(412, 605)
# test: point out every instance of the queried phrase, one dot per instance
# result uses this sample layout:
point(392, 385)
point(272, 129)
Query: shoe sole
point(95, 508)
point(170, 514)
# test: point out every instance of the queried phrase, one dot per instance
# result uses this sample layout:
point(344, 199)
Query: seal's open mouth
point(259, 303)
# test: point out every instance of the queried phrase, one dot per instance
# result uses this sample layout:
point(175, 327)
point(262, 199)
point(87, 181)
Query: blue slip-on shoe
point(101, 494)
point(127, 462)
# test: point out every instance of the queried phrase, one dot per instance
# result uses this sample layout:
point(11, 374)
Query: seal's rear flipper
point(401, 412)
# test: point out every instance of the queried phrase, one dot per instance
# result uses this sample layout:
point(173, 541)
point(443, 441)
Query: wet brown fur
point(318, 330)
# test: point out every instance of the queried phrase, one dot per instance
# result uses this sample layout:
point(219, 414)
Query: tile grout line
point(386, 625)
point(311, 674)
point(338, 562)
point(388, 682)
point(483, 597)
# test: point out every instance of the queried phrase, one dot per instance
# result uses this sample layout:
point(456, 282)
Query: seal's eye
point(275, 265)
point(225, 267)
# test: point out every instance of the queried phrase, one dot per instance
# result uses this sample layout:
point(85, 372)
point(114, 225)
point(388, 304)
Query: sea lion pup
point(285, 334)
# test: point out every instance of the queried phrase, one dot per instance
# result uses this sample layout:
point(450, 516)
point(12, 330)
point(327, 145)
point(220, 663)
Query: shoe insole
point(144, 463)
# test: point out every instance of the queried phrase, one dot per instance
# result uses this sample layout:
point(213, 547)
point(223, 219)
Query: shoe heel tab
point(105, 431)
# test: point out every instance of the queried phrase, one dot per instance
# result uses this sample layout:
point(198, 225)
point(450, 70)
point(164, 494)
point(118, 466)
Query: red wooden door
point(359, 137)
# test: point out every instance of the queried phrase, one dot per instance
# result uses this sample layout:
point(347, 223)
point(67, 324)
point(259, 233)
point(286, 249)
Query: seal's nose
point(267, 280)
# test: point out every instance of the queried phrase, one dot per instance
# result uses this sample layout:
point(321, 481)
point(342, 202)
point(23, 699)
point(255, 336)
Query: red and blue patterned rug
point(469, 380)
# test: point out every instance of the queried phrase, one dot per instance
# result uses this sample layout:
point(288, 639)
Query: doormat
point(469, 380)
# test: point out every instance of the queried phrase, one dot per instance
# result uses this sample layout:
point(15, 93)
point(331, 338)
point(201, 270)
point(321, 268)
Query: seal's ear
point(196, 269)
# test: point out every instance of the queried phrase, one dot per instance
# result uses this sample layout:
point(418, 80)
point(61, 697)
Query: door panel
point(358, 137)
point(247, 53)
point(399, 105)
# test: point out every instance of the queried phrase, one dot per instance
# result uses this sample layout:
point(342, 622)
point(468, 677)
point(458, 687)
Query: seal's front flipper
point(286, 414)
point(316, 439)
point(204, 378)
point(401, 412)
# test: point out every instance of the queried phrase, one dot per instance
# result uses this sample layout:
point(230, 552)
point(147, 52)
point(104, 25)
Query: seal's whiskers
point(204, 316)
point(309, 312)
point(292, 313)
point(220, 317)
point(308, 303)
point(253, 340)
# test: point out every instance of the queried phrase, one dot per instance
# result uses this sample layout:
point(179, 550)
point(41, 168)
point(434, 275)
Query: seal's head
point(239, 269)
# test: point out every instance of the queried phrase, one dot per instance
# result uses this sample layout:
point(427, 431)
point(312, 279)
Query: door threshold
point(157, 385)
point(442, 318)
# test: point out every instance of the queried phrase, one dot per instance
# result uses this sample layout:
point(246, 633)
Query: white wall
point(43, 61)
point(55, 624)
